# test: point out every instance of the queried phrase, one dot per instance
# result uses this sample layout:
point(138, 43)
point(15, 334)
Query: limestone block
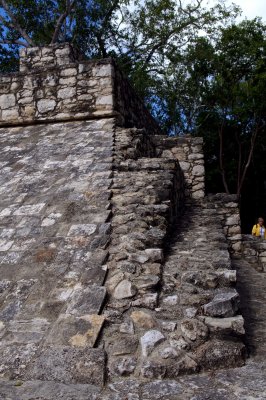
point(26, 100)
point(198, 170)
point(237, 246)
point(185, 166)
point(86, 300)
point(229, 276)
point(168, 326)
point(125, 289)
point(7, 101)
point(162, 389)
point(195, 156)
point(76, 331)
point(167, 154)
point(194, 329)
point(82, 230)
point(235, 237)
point(150, 340)
point(10, 115)
point(231, 205)
point(127, 327)
point(220, 352)
point(14, 86)
point(114, 280)
point(104, 100)
point(146, 282)
point(15, 359)
point(31, 209)
point(198, 194)
point(235, 324)
point(67, 81)
point(103, 70)
point(69, 72)
point(169, 352)
point(66, 93)
point(48, 390)
point(123, 366)
point(147, 300)
point(154, 255)
point(190, 312)
point(170, 300)
point(185, 365)
point(225, 304)
point(153, 370)
point(233, 220)
point(143, 319)
point(46, 105)
point(249, 252)
point(26, 331)
point(234, 230)
point(197, 186)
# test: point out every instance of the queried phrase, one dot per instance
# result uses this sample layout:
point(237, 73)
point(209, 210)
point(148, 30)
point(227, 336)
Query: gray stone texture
point(52, 85)
point(55, 190)
point(116, 272)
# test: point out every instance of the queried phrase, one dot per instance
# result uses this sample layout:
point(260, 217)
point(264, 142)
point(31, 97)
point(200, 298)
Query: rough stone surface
point(150, 340)
point(69, 365)
point(223, 305)
point(52, 211)
point(52, 85)
point(124, 290)
point(110, 251)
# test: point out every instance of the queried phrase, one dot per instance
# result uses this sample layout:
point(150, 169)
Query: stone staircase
point(197, 293)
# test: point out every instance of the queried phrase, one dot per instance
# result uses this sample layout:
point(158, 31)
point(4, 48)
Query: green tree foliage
point(233, 106)
point(141, 34)
point(89, 24)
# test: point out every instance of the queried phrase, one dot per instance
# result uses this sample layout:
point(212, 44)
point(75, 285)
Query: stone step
point(68, 365)
point(48, 390)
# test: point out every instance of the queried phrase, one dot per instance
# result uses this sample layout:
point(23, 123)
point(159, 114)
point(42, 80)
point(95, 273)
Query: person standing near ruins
point(259, 229)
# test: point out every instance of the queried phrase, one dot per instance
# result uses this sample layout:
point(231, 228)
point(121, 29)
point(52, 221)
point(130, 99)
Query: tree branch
point(18, 42)
point(239, 159)
point(163, 42)
point(221, 158)
point(61, 20)
point(251, 151)
point(13, 23)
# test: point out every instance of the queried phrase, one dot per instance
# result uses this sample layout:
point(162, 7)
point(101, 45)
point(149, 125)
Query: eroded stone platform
point(54, 228)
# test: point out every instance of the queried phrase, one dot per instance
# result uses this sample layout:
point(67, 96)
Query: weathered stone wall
point(228, 208)
point(130, 107)
point(56, 93)
point(87, 217)
point(148, 195)
point(189, 152)
point(166, 316)
point(53, 86)
point(254, 251)
point(54, 230)
point(34, 58)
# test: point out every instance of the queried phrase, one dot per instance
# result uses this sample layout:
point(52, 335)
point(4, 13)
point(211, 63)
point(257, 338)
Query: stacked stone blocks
point(92, 205)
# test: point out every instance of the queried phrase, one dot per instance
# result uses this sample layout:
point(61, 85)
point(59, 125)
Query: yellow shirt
point(258, 230)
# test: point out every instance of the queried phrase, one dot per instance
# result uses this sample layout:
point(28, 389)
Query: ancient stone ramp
point(54, 229)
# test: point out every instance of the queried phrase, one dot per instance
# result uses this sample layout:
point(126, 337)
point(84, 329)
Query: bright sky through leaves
point(252, 8)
